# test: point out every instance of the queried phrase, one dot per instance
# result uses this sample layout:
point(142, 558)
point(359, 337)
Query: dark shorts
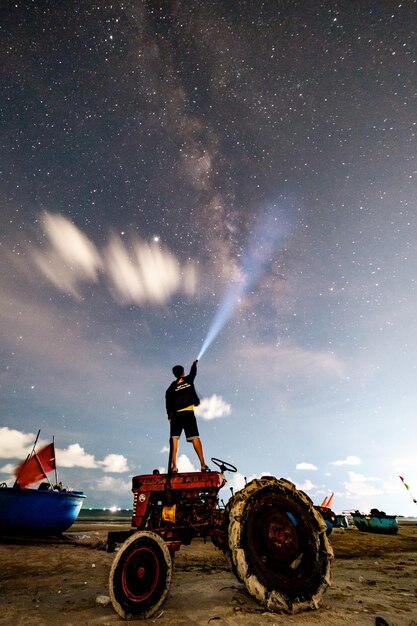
point(184, 421)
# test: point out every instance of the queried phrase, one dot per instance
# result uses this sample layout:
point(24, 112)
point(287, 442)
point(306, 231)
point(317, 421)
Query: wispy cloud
point(402, 464)
point(292, 360)
point(213, 407)
point(349, 460)
point(110, 484)
point(70, 258)
point(307, 486)
point(136, 272)
point(8, 469)
point(360, 485)
point(306, 466)
point(65, 356)
point(145, 273)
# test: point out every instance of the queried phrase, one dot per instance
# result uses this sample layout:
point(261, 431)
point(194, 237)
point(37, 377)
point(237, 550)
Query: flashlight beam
point(271, 229)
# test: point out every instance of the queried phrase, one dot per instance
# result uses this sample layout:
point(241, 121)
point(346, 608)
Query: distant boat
point(342, 521)
point(329, 517)
point(47, 510)
point(376, 522)
point(327, 514)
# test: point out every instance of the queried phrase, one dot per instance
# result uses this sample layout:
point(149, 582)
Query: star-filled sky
point(165, 164)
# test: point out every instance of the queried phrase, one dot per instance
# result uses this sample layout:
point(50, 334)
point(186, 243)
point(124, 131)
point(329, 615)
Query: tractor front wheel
point(278, 545)
point(140, 576)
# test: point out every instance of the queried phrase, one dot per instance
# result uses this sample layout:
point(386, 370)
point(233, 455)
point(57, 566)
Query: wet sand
point(64, 582)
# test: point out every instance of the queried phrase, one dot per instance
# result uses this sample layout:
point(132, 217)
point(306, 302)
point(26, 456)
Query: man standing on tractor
point(180, 400)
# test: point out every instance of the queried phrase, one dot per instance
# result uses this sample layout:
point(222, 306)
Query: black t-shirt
point(181, 393)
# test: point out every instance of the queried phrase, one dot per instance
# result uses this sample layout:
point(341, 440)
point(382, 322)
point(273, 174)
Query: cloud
point(72, 245)
point(404, 464)
point(236, 481)
point(289, 360)
point(349, 460)
point(306, 486)
point(15, 444)
point(305, 466)
point(137, 273)
point(113, 485)
point(116, 463)
point(359, 485)
point(70, 258)
point(213, 407)
point(67, 347)
point(184, 464)
point(9, 468)
point(145, 273)
point(75, 456)
point(314, 362)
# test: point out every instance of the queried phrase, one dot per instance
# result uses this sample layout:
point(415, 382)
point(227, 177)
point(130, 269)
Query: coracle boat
point(47, 510)
point(376, 522)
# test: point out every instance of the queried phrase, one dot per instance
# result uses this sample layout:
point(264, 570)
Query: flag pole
point(56, 473)
point(36, 441)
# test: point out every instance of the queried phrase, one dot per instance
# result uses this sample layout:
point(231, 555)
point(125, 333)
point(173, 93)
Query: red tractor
point(274, 538)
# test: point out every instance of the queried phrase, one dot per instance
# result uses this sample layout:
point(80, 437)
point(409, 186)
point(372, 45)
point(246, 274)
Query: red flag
point(36, 468)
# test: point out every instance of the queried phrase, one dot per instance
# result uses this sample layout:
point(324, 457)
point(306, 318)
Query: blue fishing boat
point(376, 522)
point(47, 510)
point(37, 511)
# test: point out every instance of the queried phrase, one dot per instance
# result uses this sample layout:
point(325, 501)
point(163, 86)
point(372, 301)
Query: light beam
point(272, 228)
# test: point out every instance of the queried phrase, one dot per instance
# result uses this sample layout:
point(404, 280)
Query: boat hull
point(387, 525)
point(37, 511)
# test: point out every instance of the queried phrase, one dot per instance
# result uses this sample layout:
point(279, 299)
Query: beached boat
point(49, 509)
point(327, 514)
point(329, 517)
point(38, 511)
point(343, 519)
point(376, 522)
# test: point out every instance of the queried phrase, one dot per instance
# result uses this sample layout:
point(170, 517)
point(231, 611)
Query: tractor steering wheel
point(223, 466)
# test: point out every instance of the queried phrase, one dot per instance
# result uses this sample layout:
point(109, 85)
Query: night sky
point(161, 160)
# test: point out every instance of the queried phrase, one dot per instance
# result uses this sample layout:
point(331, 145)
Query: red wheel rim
point(140, 574)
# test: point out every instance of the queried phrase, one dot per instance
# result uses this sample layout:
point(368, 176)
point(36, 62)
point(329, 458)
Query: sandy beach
point(64, 581)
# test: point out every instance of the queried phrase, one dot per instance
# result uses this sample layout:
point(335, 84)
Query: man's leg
point(174, 443)
point(198, 447)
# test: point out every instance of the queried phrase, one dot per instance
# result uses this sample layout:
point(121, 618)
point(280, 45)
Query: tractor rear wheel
point(140, 576)
point(278, 545)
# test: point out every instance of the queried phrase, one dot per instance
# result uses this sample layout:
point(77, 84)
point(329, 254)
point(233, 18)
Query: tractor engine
point(178, 507)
